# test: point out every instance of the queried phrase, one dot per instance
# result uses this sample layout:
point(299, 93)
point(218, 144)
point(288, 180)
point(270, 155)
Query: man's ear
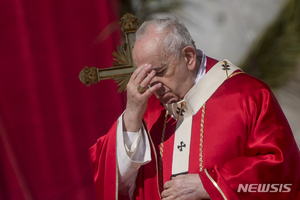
point(190, 56)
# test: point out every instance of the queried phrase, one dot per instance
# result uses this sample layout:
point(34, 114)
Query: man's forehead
point(150, 57)
point(154, 60)
point(147, 44)
point(143, 52)
point(148, 50)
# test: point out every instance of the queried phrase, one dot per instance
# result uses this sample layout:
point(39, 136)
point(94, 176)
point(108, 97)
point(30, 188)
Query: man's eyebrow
point(159, 68)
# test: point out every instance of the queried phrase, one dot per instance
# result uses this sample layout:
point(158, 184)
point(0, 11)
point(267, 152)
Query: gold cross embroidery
point(226, 67)
point(180, 110)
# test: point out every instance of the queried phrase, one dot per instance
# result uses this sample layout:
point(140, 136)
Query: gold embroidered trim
point(161, 151)
point(156, 158)
point(117, 170)
point(117, 180)
point(215, 184)
point(163, 135)
point(233, 74)
point(201, 139)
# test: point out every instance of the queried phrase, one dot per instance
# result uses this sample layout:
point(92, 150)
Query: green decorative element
point(275, 56)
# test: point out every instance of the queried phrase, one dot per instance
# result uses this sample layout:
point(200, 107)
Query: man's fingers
point(167, 185)
point(142, 74)
point(165, 194)
point(137, 71)
point(151, 90)
point(146, 81)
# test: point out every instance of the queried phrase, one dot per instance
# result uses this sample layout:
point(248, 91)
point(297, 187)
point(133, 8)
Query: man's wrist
point(131, 123)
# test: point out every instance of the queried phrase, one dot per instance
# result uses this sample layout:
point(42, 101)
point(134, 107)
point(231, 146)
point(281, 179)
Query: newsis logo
point(264, 187)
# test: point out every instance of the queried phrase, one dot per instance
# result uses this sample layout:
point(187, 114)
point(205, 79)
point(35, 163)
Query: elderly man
point(215, 133)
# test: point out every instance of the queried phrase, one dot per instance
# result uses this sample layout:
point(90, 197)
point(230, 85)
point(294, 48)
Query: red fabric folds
point(105, 152)
point(246, 140)
point(48, 118)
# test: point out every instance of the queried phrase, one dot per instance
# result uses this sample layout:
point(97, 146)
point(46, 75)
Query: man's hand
point(136, 102)
point(184, 187)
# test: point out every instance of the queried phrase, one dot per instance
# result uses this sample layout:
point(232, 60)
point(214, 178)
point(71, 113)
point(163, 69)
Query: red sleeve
point(269, 167)
point(103, 161)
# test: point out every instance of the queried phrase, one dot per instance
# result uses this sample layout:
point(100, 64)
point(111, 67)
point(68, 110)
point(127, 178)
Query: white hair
point(176, 35)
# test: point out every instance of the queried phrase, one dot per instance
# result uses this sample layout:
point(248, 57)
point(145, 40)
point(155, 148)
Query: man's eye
point(161, 72)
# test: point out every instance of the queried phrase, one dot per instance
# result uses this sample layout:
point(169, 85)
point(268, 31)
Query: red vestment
point(246, 140)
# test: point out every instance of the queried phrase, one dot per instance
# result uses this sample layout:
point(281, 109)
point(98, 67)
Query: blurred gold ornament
point(124, 66)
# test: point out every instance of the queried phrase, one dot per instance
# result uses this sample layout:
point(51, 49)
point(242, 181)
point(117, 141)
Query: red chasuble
point(241, 146)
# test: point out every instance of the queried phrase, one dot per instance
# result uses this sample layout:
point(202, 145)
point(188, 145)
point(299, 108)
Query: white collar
point(202, 68)
point(200, 93)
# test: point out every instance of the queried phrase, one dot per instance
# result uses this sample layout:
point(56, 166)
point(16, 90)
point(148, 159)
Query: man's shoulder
point(246, 81)
point(239, 78)
point(243, 86)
